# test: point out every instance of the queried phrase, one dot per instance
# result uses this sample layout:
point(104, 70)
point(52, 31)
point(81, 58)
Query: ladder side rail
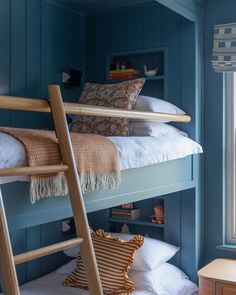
point(9, 280)
point(75, 192)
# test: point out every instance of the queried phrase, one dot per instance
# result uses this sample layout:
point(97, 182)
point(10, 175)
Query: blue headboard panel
point(143, 29)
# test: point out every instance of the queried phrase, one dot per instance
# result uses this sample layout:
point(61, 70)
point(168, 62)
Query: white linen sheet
point(134, 152)
point(51, 284)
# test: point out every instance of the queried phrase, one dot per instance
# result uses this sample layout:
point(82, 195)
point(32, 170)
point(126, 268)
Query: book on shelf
point(120, 213)
point(120, 77)
point(123, 74)
point(125, 71)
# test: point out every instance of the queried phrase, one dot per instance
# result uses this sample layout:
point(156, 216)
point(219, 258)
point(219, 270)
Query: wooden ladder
point(7, 260)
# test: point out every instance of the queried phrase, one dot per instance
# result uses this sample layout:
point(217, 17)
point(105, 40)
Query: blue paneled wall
point(38, 40)
point(216, 12)
point(146, 27)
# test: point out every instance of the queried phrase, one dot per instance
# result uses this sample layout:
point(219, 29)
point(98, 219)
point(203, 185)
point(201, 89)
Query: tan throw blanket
point(96, 158)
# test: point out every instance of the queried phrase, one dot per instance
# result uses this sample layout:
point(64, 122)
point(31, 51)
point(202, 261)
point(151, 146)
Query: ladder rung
point(34, 254)
point(33, 170)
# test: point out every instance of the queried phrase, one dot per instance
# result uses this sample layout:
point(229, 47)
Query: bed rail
point(42, 105)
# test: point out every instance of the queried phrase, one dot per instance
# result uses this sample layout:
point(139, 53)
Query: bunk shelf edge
point(147, 182)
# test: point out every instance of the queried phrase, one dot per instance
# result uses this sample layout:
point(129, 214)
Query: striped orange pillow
point(114, 257)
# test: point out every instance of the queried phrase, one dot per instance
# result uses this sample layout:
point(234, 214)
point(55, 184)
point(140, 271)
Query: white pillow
point(152, 253)
point(152, 104)
point(153, 129)
point(164, 279)
point(72, 252)
point(67, 268)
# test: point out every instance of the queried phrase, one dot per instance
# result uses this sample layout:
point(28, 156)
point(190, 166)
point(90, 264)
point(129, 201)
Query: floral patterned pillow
point(120, 95)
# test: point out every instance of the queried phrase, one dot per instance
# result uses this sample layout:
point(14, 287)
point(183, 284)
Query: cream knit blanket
point(96, 158)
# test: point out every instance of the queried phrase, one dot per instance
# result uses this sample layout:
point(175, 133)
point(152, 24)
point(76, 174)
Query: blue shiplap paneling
point(157, 27)
point(38, 40)
point(223, 12)
point(33, 57)
point(33, 239)
point(18, 56)
point(19, 240)
point(5, 36)
point(153, 26)
point(144, 28)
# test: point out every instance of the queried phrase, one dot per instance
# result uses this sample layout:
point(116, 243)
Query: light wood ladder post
point(7, 266)
point(76, 196)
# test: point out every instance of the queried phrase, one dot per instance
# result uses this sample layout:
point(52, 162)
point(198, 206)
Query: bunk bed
point(145, 184)
point(62, 132)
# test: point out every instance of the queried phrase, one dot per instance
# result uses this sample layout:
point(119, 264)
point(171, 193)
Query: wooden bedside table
point(218, 278)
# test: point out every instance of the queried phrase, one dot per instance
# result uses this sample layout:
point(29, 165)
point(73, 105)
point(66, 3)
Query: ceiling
point(94, 6)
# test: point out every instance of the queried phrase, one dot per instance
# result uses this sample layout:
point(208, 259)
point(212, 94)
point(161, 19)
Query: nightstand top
point(220, 269)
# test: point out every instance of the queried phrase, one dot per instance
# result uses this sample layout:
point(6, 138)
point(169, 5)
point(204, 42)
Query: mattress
point(134, 152)
point(51, 284)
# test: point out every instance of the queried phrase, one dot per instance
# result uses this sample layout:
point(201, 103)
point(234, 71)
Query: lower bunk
point(178, 284)
point(178, 229)
point(151, 272)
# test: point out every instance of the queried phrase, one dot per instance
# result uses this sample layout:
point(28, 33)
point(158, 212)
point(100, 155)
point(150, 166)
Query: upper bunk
point(127, 28)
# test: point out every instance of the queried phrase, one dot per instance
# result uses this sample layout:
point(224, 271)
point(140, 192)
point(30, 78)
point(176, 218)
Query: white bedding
point(134, 152)
point(51, 284)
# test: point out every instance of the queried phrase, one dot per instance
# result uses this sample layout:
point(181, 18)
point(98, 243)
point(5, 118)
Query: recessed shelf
point(136, 222)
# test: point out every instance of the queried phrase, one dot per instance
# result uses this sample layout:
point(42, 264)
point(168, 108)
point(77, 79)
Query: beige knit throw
point(96, 158)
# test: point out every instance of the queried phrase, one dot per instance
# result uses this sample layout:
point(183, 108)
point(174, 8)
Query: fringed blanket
point(96, 157)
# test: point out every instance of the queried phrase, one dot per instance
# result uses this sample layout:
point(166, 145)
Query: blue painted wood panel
point(148, 182)
point(156, 27)
point(5, 57)
point(38, 41)
point(18, 56)
point(214, 122)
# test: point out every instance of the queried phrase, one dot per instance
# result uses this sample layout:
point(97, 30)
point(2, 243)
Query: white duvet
point(134, 152)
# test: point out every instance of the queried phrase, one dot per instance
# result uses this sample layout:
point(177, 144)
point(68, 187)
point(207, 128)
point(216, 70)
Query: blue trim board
point(189, 9)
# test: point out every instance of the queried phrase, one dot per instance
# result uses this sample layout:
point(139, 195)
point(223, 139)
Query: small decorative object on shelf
point(122, 70)
point(149, 73)
point(127, 206)
point(122, 213)
point(125, 229)
point(158, 216)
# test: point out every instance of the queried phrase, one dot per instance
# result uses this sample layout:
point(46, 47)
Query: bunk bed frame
point(59, 111)
point(169, 179)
